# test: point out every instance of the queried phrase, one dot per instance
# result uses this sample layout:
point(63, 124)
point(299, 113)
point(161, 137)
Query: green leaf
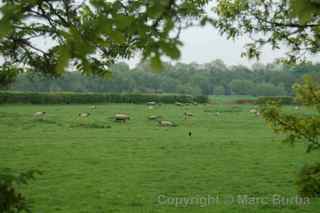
point(123, 22)
point(5, 27)
point(118, 37)
point(170, 50)
point(156, 62)
point(303, 9)
point(62, 59)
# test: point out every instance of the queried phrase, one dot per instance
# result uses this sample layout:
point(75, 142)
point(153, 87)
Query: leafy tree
point(90, 35)
point(241, 87)
point(268, 89)
point(299, 127)
point(294, 23)
point(218, 90)
point(144, 79)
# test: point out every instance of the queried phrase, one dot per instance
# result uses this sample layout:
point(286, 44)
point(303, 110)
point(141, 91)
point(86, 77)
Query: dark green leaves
point(10, 13)
point(294, 23)
point(11, 200)
point(92, 34)
point(63, 57)
point(170, 49)
point(305, 10)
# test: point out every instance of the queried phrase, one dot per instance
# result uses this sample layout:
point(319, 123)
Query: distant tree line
point(213, 78)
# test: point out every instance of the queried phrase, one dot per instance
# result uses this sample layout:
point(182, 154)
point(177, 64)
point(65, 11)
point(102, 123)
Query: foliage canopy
point(90, 35)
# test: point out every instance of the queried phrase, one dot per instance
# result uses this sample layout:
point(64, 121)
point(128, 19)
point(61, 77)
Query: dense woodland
point(213, 78)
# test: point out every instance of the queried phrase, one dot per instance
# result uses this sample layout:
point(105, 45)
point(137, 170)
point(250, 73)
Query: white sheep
point(179, 104)
point(188, 114)
point(154, 117)
point(253, 111)
point(93, 107)
point(84, 114)
point(151, 103)
point(166, 124)
point(121, 117)
point(39, 114)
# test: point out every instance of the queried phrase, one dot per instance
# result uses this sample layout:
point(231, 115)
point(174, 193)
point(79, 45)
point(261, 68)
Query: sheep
point(93, 107)
point(154, 117)
point(150, 107)
point(39, 114)
point(187, 114)
point(218, 113)
point(84, 114)
point(258, 114)
point(166, 124)
point(253, 111)
point(151, 103)
point(296, 108)
point(121, 117)
point(179, 104)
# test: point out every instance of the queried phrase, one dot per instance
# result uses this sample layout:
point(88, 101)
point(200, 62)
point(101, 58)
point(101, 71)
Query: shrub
point(285, 100)
point(245, 101)
point(309, 181)
point(10, 199)
point(90, 98)
point(268, 89)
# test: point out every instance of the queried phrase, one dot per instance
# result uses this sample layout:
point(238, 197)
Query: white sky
point(205, 44)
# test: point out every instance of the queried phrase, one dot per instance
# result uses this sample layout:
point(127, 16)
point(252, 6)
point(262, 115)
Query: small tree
point(298, 127)
point(241, 87)
point(12, 201)
point(268, 89)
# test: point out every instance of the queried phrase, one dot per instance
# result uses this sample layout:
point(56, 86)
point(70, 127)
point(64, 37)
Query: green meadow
point(232, 162)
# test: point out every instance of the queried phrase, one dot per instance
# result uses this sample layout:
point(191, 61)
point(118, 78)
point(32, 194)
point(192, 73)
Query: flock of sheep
point(124, 117)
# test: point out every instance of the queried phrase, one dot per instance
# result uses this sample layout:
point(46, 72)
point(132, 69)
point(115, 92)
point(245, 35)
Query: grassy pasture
point(137, 166)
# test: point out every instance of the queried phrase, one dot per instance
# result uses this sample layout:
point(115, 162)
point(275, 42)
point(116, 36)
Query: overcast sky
point(205, 44)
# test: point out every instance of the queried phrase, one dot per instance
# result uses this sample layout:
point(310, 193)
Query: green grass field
point(140, 167)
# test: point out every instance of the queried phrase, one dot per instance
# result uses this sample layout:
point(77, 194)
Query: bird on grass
point(190, 133)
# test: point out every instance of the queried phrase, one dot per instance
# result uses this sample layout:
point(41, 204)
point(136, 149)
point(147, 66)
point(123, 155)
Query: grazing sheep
point(151, 103)
point(258, 114)
point(154, 117)
point(121, 117)
point(84, 114)
point(166, 124)
point(150, 107)
point(39, 114)
point(93, 107)
point(179, 104)
point(253, 111)
point(187, 114)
